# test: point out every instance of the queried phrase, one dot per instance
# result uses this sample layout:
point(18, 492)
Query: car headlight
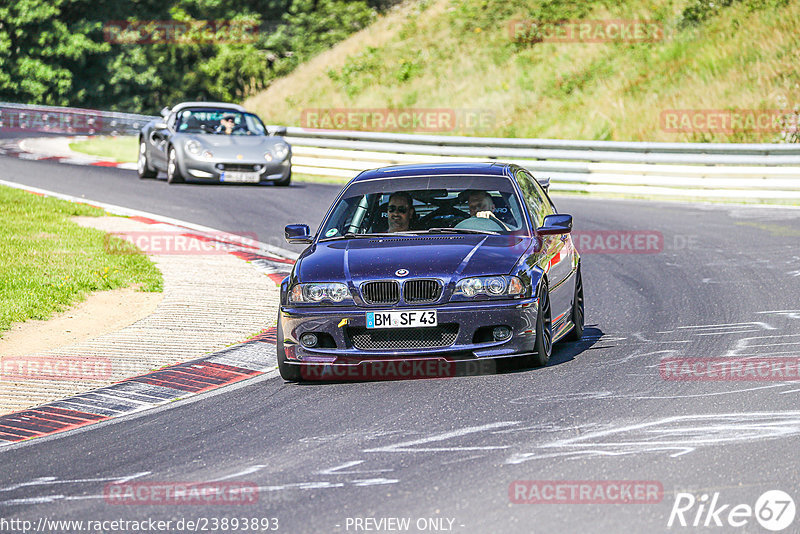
point(281, 150)
point(335, 292)
point(492, 286)
point(193, 147)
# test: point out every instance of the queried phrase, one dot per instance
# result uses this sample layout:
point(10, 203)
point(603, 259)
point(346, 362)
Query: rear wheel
point(174, 175)
point(142, 164)
point(544, 332)
point(577, 309)
point(289, 372)
point(285, 181)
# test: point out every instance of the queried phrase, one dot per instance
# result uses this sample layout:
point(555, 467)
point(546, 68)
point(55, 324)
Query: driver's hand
point(484, 214)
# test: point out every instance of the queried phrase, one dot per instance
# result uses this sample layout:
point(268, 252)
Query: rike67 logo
point(774, 510)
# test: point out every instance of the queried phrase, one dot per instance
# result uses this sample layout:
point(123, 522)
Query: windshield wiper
point(351, 235)
point(456, 231)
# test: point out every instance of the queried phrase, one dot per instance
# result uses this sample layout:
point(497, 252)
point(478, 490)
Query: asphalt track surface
point(725, 283)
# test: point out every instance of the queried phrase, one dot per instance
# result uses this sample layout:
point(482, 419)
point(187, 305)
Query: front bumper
point(211, 169)
point(472, 318)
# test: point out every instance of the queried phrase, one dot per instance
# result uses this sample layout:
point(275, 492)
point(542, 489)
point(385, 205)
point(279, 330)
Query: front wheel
point(577, 309)
point(284, 181)
point(544, 332)
point(142, 164)
point(174, 175)
point(289, 372)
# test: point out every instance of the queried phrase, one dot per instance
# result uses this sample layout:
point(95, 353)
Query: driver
point(480, 204)
point(227, 124)
point(400, 211)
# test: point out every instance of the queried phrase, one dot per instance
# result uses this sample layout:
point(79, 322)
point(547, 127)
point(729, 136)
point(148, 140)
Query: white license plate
point(401, 319)
point(232, 176)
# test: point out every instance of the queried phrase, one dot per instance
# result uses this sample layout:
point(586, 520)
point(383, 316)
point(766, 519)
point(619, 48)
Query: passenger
point(400, 212)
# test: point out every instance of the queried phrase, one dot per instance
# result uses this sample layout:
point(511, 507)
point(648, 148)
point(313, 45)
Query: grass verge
point(123, 149)
point(48, 263)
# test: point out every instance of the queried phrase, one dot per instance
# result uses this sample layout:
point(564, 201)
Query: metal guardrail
point(706, 170)
point(766, 172)
point(763, 149)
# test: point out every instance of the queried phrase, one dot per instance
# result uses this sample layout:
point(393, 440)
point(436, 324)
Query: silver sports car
point(214, 141)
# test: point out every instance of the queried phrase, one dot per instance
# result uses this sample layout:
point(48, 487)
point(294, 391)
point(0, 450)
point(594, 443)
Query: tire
point(578, 311)
point(543, 345)
point(142, 164)
point(174, 175)
point(289, 372)
point(284, 182)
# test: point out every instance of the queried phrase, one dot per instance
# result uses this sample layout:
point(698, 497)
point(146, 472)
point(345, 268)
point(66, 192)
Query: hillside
point(717, 60)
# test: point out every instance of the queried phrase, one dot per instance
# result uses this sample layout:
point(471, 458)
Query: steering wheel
point(442, 211)
point(488, 224)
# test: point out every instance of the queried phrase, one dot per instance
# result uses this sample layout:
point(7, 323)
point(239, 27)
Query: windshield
point(218, 122)
point(457, 204)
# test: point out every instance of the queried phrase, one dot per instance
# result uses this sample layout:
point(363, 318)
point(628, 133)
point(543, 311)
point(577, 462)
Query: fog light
point(220, 166)
point(501, 333)
point(309, 340)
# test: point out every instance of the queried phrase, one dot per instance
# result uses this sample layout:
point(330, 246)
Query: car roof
point(224, 105)
point(432, 169)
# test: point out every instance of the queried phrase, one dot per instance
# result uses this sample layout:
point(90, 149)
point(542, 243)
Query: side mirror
point(298, 234)
point(545, 183)
point(559, 223)
point(279, 131)
point(165, 112)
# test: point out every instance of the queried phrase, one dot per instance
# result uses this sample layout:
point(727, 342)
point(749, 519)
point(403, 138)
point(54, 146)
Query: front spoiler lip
point(366, 359)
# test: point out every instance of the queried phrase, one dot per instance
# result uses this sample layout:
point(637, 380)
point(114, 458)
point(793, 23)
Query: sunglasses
point(399, 209)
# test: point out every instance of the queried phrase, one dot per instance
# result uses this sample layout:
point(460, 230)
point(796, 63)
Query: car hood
point(235, 147)
point(442, 256)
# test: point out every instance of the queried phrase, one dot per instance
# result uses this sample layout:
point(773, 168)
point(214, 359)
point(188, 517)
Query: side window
point(534, 198)
point(547, 204)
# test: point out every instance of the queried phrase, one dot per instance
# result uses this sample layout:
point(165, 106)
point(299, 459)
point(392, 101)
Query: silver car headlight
point(492, 286)
point(193, 147)
point(281, 150)
point(313, 293)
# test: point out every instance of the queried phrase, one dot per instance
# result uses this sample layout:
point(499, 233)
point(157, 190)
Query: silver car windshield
point(218, 122)
point(464, 204)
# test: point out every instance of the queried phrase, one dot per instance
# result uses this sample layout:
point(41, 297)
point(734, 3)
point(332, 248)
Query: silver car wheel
point(172, 163)
point(142, 163)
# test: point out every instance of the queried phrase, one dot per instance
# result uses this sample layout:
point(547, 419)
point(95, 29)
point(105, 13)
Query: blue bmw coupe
point(424, 263)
